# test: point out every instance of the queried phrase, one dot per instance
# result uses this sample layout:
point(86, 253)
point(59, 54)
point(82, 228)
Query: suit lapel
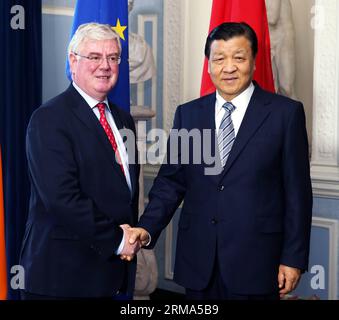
point(81, 109)
point(256, 113)
point(131, 165)
point(117, 119)
point(207, 117)
point(207, 122)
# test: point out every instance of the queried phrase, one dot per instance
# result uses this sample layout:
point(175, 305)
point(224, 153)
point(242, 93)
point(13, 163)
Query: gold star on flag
point(119, 29)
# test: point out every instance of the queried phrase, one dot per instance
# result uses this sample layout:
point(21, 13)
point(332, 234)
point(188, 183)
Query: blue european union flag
point(114, 13)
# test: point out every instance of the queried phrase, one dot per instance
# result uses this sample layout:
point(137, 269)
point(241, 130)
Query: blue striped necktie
point(226, 135)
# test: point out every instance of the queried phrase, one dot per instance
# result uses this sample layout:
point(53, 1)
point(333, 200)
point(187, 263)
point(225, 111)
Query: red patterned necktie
point(109, 133)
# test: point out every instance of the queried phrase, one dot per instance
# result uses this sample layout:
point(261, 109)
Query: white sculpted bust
point(282, 36)
point(141, 61)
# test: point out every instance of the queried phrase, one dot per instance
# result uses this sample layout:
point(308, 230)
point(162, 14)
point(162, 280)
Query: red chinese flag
point(253, 12)
point(3, 275)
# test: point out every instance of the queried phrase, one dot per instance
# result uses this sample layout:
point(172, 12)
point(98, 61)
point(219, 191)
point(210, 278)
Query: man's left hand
point(288, 279)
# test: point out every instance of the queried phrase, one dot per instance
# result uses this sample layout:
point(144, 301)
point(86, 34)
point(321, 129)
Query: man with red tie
point(84, 184)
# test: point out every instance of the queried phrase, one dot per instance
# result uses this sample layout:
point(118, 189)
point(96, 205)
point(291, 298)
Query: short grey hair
point(92, 31)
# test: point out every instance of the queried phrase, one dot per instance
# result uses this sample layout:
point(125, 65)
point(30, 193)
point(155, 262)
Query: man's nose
point(104, 63)
point(229, 66)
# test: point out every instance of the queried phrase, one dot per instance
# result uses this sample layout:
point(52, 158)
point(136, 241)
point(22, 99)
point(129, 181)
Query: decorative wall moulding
point(325, 138)
point(58, 11)
point(331, 226)
point(325, 181)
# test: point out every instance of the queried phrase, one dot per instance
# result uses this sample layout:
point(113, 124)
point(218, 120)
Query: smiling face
point(231, 66)
point(95, 79)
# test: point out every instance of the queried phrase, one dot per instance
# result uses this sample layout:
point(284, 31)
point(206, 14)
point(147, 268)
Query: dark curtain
point(20, 94)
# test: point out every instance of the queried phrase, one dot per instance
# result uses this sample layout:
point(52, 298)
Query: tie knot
point(229, 107)
point(101, 106)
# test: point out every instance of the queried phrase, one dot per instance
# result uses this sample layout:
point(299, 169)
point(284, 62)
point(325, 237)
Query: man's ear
point(72, 62)
point(208, 67)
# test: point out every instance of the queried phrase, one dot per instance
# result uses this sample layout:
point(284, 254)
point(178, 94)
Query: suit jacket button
point(214, 221)
point(221, 188)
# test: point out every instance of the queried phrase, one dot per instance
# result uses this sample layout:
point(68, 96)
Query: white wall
point(302, 17)
point(197, 19)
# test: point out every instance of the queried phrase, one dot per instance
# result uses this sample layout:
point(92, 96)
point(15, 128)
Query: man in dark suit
point(84, 184)
point(244, 231)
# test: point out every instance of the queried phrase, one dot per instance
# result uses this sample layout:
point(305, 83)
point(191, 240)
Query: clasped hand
point(135, 238)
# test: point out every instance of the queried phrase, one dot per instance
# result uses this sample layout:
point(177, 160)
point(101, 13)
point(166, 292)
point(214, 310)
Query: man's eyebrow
point(93, 52)
point(99, 54)
point(240, 50)
point(219, 53)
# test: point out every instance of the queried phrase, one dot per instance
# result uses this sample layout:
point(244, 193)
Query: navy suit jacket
point(79, 197)
point(255, 214)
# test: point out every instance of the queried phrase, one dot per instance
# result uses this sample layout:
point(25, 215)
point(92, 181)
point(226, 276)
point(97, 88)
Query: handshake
point(134, 239)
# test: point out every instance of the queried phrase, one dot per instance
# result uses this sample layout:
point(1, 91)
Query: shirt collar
point(90, 101)
point(240, 101)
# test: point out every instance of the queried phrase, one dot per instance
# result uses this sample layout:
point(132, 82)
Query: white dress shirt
point(240, 102)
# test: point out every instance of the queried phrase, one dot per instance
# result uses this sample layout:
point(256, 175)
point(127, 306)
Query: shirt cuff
point(149, 240)
point(121, 246)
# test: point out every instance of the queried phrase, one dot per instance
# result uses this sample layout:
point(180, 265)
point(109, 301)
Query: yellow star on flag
point(119, 29)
